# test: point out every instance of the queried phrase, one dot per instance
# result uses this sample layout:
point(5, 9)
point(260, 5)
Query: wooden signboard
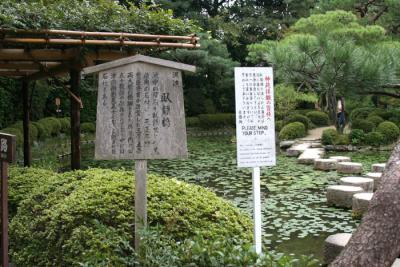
point(140, 116)
point(7, 148)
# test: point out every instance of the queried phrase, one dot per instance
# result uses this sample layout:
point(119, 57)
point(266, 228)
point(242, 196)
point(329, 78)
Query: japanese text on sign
point(255, 124)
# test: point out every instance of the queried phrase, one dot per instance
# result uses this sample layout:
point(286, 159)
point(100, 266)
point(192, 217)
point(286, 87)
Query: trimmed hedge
point(192, 121)
point(318, 118)
point(389, 130)
point(279, 125)
point(375, 119)
point(357, 137)
point(51, 126)
point(365, 125)
point(33, 133)
point(65, 124)
point(209, 121)
point(299, 118)
point(88, 127)
point(374, 139)
point(19, 136)
point(329, 136)
point(87, 217)
point(360, 113)
point(292, 131)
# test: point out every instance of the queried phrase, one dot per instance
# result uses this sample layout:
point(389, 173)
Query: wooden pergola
point(31, 55)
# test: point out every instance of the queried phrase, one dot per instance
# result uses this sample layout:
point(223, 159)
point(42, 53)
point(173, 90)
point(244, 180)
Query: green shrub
point(51, 126)
point(360, 113)
point(365, 125)
point(375, 119)
point(383, 113)
point(299, 118)
point(88, 127)
point(374, 139)
point(342, 139)
point(302, 111)
point(192, 121)
point(41, 130)
point(33, 131)
point(292, 131)
point(395, 116)
point(19, 136)
point(209, 121)
point(279, 125)
point(357, 137)
point(74, 217)
point(318, 118)
point(389, 130)
point(65, 124)
point(329, 136)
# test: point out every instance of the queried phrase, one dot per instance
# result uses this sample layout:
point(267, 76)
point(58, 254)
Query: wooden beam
point(38, 54)
point(27, 141)
point(15, 65)
point(15, 73)
point(75, 121)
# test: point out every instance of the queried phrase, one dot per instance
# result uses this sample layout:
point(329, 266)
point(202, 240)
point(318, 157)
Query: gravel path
point(316, 133)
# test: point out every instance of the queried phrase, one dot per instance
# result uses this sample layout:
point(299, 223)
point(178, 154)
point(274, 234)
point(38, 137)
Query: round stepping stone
point(341, 158)
point(349, 167)
point(360, 203)
point(342, 195)
point(325, 164)
point(378, 167)
point(365, 183)
point(376, 176)
point(334, 244)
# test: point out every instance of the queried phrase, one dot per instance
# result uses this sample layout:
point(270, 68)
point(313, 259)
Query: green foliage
point(361, 113)
point(65, 124)
point(383, 113)
point(10, 102)
point(33, 131)
point(88, 127)
point(292, 131)
point(51, 127)
point(357, 137)
point(342, 139)
point(374, 139)
point(279, 125)
point(19, 135)
point(329, 136)
point(42, 134)
point(389, 130)
point(72, 215)
point(365, 125)
point(209, 121)
point(192, 121)
point(375, 119)
point(318, 118)
point(300, 118)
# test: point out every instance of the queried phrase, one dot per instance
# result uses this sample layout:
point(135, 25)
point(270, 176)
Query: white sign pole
point(257, 209)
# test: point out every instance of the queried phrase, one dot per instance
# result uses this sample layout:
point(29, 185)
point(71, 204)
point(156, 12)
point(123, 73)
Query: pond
point(296, 219)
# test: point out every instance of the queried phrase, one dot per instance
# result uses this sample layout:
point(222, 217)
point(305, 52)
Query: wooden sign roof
point(139, 58)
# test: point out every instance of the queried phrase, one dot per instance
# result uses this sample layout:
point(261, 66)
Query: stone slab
point(360, 203)
point(297, 149)
point(349, 167)
point(365, 183)
point(341, 158)
point(310, 155)
point(377, 176)
point(286, 144)
point(316, 145)
point(333, 245)
point(378, 167)
point(325, 164)
point(342, 195)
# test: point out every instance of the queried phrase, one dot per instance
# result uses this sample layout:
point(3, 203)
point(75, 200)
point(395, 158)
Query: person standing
point(340, 116)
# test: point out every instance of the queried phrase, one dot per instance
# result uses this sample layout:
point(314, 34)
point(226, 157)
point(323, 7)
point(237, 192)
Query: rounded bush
point(383, 113)
point(41, 131)
point(374, 139)
point(209, 121)
point(18, 134)
point(375, 119)
point(299, 118)
point(292, 131)
point(88, 127)
point(192, 121)
point(342, 139)
point(365, 125)
point(329, 137)
point(51, 125)
point(360, 113)
point(389, 130)
point(357, 137)
point(33, 131)
point(81, 216)
point(318, 118)
point(279, 125)
point(65, 124)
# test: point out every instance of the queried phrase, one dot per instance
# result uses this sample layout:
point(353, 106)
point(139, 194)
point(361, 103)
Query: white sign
point(255, 124)
point(4, 146)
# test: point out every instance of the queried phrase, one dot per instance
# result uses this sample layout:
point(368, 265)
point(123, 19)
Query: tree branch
point(379, 14)
point(395, 95)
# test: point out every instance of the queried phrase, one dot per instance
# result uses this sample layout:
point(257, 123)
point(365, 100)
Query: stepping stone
point(286, 144)
point(316, 145)
point(349, 167)
point(325, 164)
point(360, 203)
point(365, 183)
point(342, 195)
point(310, 155)
point(378, 167)
point(296, 150)
point(376, 176)
point(396, 263)
point(341, 158)
point(334, 244)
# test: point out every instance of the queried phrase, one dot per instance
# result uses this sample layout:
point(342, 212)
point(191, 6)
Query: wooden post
point(26, 115)
point(4, 213)
point(140, 198)
point(75, 121)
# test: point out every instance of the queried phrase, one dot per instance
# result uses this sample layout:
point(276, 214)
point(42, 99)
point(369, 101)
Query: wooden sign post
point(255, 131)
point(7, 155)
point(140, 116)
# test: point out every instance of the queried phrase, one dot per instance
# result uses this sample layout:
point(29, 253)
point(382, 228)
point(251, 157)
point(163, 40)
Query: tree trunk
point(376, 242)
point(332, 105)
